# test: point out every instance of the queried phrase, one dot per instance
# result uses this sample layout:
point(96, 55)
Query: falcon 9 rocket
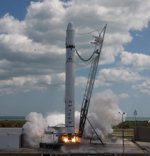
point(70, 81)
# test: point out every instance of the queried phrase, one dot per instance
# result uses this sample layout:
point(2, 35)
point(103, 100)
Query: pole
point(135, 131)
point(122, 115)
point(95, 131)
point(123, 133)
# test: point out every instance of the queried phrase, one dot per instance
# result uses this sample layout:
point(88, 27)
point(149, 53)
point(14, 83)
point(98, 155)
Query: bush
point(131, 124)
point(12, 123)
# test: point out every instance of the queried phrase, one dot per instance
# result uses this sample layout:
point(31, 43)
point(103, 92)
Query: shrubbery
point(12, 123)
point(131, 124)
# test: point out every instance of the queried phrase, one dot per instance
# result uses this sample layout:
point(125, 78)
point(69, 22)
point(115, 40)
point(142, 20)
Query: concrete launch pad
point(110, 148)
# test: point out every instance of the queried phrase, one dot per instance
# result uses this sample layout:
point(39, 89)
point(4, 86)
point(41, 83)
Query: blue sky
point(32, 53)
point(140, 42)
point(15, 8)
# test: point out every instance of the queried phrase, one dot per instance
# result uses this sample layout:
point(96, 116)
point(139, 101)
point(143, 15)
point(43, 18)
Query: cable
point(86, 33)
point(85, 64)
point(85, 60)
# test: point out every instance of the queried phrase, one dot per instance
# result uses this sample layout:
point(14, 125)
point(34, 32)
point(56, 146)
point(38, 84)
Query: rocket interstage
point(70, 82)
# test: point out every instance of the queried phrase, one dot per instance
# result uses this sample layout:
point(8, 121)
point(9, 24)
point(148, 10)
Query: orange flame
point(73, 139)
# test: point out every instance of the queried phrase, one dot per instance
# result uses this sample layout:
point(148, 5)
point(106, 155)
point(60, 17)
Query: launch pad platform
point(83, 149)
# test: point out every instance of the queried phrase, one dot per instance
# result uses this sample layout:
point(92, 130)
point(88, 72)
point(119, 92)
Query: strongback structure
point(91, 79)
point(70, 79)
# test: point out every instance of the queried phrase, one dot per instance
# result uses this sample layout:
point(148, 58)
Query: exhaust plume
point(103, 114)
point(36, 125)
point(34, 129)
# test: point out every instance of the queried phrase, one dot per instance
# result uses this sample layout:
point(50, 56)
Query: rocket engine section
point(70, 82)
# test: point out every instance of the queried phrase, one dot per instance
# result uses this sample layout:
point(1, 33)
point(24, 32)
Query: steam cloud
point(36, 125)
point(34, 129)
point(103, 114)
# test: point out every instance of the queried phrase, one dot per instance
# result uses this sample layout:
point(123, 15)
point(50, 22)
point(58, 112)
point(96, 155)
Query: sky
point(32, 53)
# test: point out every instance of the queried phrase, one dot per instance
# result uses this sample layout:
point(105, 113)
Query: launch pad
point(83, 149)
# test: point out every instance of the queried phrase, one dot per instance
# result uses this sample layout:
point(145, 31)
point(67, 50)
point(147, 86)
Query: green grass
point(12, 123)
point(126, 124)
point(128, 133)
point(128, 128)
point(131, 124)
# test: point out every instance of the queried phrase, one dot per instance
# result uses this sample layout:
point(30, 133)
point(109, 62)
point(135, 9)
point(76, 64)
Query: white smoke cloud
point(34, 129)
point(103, 114)
point(36, 125)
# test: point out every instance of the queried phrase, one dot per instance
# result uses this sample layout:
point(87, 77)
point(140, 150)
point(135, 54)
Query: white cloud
point(81, 81)
point(136, 59)
point(35, 46)
point(45, 22)
point(10, 25)
point(123, 95)
point(27, 83)
point(118, 75)
point(144, 87)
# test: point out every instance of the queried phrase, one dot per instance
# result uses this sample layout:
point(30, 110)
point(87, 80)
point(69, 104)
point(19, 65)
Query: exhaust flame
point(72, 139)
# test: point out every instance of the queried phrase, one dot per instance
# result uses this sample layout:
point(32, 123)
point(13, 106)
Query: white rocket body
point(70, 81)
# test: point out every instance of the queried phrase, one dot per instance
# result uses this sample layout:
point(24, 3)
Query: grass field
point(12, 123)
point(127, 125)
point(128, 133)
point(131, 124)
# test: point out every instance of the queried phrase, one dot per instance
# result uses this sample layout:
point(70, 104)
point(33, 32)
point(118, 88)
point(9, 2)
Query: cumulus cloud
point(136, 59)
point(124, 95)
point(34, 48)
point(28, 83)
point(144, 87)
point(10, 25)
point(118, 75)
point(81, 81)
